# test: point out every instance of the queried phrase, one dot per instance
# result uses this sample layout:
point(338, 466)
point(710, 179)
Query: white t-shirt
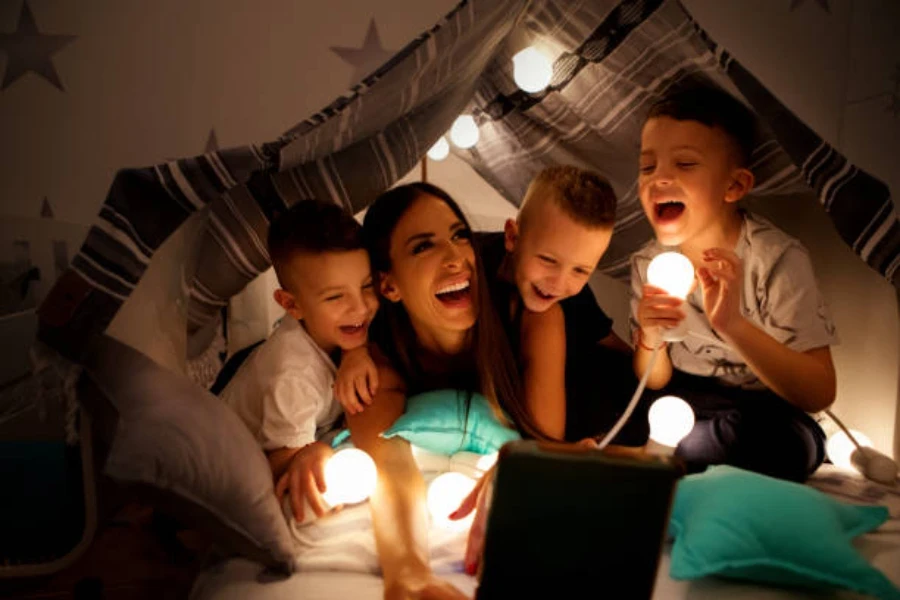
point(780, 296)
point(283, 392)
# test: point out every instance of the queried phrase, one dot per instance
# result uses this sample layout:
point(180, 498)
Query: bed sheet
point(240, 579)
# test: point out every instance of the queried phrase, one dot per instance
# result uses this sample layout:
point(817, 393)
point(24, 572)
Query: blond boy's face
point(688, 179)
point(332, 293)
point(553, 256)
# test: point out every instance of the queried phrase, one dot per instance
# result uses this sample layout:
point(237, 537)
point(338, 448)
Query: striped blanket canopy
point(614, 60)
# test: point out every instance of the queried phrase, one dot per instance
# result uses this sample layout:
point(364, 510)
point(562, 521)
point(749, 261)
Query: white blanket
point(337, 558)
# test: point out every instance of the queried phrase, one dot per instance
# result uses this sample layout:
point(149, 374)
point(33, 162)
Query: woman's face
point(433, 268)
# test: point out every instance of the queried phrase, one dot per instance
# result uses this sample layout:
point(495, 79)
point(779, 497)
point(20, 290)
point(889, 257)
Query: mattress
point(236, 579)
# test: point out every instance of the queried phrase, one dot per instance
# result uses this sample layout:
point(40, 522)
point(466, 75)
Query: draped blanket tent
point(613, 59)
point(616, 59)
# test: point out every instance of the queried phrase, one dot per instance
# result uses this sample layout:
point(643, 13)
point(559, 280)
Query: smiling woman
point(436, 328)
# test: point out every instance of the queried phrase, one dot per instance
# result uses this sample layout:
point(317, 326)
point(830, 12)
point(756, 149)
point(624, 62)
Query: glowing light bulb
point(674, 273)
point(440, 150)
point(487, 461)
point(464, 132)
point(445, 494)
point(350, 477)
point(671, 419)
point(840, 448)
point(532, 70)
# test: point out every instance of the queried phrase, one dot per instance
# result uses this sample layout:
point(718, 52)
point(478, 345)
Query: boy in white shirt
point(283, 392)
point(757, 358)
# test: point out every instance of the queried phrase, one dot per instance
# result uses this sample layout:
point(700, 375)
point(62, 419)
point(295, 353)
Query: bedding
point(316, 580)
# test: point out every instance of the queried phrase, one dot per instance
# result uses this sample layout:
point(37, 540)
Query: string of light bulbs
point(532, 72)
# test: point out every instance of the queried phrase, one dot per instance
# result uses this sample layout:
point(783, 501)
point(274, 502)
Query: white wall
point(145, 81)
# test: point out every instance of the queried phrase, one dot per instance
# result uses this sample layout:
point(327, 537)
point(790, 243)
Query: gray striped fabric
point(618, 58)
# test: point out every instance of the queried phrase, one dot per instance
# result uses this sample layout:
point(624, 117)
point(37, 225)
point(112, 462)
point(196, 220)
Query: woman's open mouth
point(668, 211)
point(455, 295)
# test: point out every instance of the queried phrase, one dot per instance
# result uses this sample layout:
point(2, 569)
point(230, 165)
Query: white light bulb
point(487, 461)
point(350, 477)
point(672, 272)
point(532, 70)
point(440, 150)
point(464, 132)
point(671, 419)
point(840, 448)
point(445, 494)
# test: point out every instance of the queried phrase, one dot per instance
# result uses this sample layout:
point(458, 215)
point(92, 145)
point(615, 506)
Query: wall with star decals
point(91, 86)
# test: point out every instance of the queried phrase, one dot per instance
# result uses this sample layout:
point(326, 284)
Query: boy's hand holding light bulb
point(671, 279)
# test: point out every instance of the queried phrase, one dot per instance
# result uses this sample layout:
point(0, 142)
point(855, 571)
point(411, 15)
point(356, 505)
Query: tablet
point(567, 520)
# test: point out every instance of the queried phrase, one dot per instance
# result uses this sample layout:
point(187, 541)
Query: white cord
point(631, 405)
point(844, 428)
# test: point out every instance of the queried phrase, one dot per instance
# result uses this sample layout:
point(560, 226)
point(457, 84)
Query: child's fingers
point(362, 392)
point(652, 290)
point(315, 499)
point(296, 494)
point(729, 256)
point(372, 377)
point(706, 279)
point(282, 485)
point(318, 474)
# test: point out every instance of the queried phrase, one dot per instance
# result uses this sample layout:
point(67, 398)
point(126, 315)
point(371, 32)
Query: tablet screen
point(573, 521)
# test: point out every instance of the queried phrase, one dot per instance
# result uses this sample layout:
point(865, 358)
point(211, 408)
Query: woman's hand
point(657, 311)
point(479, 501)
point(428, 587)
point(305, 478)
point(356, 380)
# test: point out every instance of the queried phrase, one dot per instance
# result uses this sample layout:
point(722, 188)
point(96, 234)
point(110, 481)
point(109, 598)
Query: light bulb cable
point(612, 433)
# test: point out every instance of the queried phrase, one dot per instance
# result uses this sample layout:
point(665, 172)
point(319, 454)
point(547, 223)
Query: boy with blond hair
point(757, 356)
point(283, 392)
point(574, 366)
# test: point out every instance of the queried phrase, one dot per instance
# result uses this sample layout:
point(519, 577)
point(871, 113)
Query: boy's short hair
point(584, 196)
point(714, 108)
point(311, 227)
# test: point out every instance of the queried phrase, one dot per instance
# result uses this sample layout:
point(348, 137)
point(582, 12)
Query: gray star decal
point(29, 50)
point(822, 3)
point(367, 58)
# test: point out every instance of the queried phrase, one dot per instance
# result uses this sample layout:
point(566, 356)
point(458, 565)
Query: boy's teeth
point(454, 287)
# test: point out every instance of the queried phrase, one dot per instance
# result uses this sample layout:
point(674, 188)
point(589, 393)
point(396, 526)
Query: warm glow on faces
point(433, 269)
point(332, 293)
point(686, 180)
point(553, 255)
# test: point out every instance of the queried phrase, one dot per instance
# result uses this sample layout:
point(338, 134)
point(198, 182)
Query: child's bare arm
point(356, 381)
point(656, 311)
point(300, 472)
point(805, 379)
point(543, 349)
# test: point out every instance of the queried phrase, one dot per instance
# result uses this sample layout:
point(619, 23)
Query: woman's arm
point(543, 354)
point(398, 503)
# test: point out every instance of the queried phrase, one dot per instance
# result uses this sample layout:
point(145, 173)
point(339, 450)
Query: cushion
point(735, 523)
point(437, 422)
point(186, 451)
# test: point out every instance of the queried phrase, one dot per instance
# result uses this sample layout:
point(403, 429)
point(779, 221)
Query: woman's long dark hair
point(492, 370)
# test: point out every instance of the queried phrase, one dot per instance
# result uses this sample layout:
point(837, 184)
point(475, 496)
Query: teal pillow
point(735, 523)
point(437, 421)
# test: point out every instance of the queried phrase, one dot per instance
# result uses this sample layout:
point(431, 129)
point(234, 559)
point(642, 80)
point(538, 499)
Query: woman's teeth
point(455, 287)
